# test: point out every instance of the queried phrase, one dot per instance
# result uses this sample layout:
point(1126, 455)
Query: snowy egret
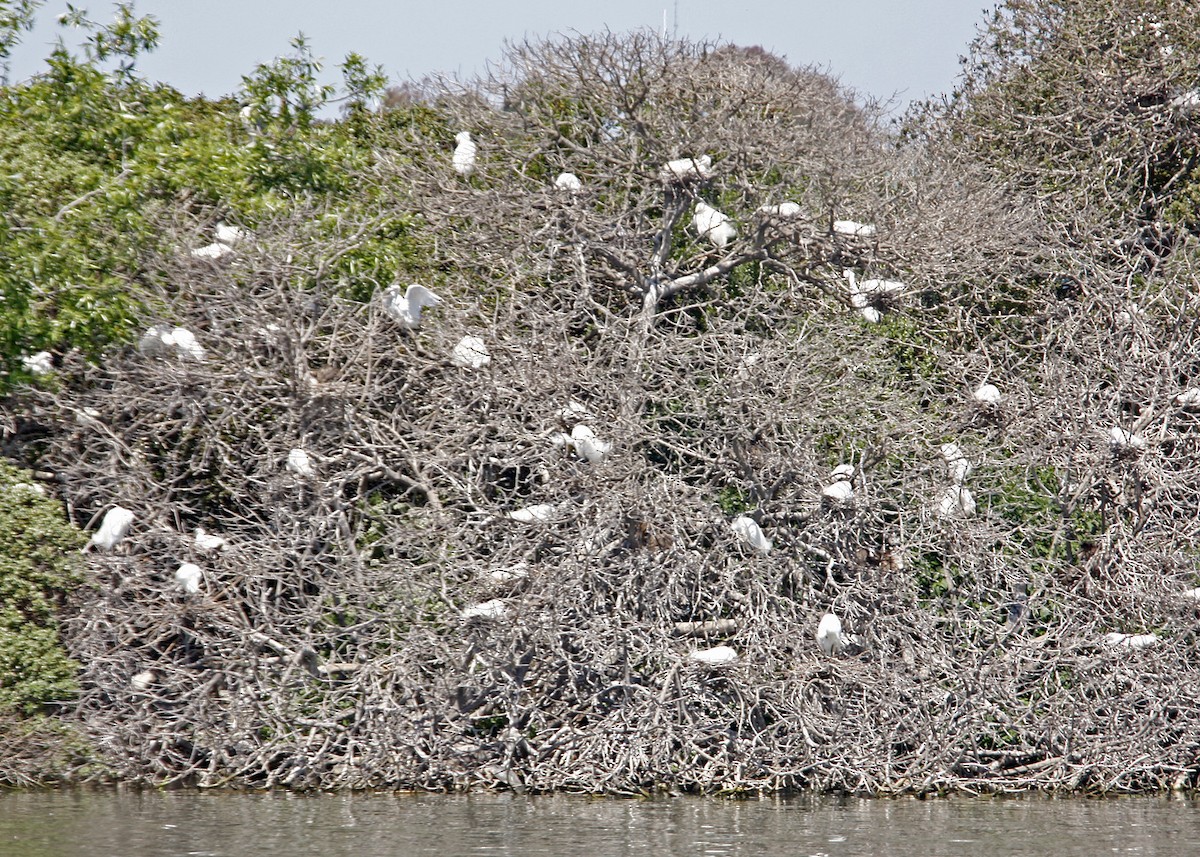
point(748, 531)
point(783, 209)
point(206, 542)
point(956, 502)
point(464, 153)
point(113, 528)
point(588, 445)
point(41, 363)
point(829, 634)
point(491, 611)
point(230, 235)
point(568, 182)
point(188, 575)
point(1121, 441)
point(215, 250)
point(987, 396)
point(162, 341)
point(299, 463)
point(406, 308)
point(186, 344)
point(1116, 639)
point(839, 492)
point(854, 229)
point(539, 513)
point(686, 169)
point(470, 353)
point(1189, 398)
point(713, 225)
point(717, 656)
point(143, 680)
point(956, 462)
point(862, 297)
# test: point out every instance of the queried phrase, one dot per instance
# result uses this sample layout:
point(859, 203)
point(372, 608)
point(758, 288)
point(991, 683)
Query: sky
point(893, 50)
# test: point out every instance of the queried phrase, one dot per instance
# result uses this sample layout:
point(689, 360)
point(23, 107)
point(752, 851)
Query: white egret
point(864, 295)
point(829, 634)
point(1189, 398)
point(113, 528)
point(783, 209)
point(143, 680)
point(206, 542)
point(162, 341)
point(491, 611)
point(956, 462)
point(568, 182)
point(1121, 441)
point(186, 344)
point(987, 396)
point(717, 656)
point(713, 225)
point(840, 490)
point(230, 235)
point(470, 353)
point(841, 472)
point(215, 250)
point(956, 502)
point(41, 363)
point(406, 308)
point(464, 153)
point(748, 531)
point(854, 229)
point(686, 169)
point(188, 575)
point(1116, 639)
point(588, 445)
point(538, 513)
point(299, 463)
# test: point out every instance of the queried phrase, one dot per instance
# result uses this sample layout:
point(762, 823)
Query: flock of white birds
point(870, 297)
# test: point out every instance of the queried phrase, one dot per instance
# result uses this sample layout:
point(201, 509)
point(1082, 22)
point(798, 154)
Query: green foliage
point(38, 569)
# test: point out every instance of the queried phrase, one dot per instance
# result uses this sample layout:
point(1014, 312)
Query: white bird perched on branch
point(143, 680)
point(956, 462)
point(538, 513)
point(748, 531)
point(829, 634)
point(1116, 639)
point(956, 501)
point(299, 463)
point(490, 611)
point(783, 209)
point(215, 250)
point(687, 169)
point(987, 396)
point(162, 341)
point(207, 542)
point(713, 225)
point(854, 229)
point(406, 308)
point(1121, 441)
point(188, 575)
point(464, 153)
point(588, 445)
point(568, 182)
point(41, 363)
point(717, 656)
point(470, 353)
point(113, 528)
point(840, 490)
point(230, 235)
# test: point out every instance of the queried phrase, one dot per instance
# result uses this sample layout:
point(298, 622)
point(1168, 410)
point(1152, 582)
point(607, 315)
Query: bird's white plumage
point(215, 250)
point(956, 501)
point(841, 472)
point(298, 462)
point(470, 353)
point(748, 531)
point(162, 341)
point(143, 680)
point(588, 445)
point(230, 235)
point(539, 513)
point(490, 611)
point(687, 169)
point(113, 528)
point(1122, 440)
point(207, 542)
point(568, 182)
point(186, 344)
point(1193, 594)
point(783, 210)
point(839, 492)
point(1116, 639)
point(854, 229)
point(829, 634)
point(189, 575)
point(41, 363)
point(517, 571)
point(956, 462)
point(406, 308)
point(1189, 398)
point(464, 153)
point(713, 225)
point(987, 395)
point(717, 656)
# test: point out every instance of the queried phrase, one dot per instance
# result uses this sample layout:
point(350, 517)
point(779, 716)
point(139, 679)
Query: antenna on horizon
point(663, 32)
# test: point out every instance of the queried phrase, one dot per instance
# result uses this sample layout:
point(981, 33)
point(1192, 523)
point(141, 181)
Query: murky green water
point(155, 824)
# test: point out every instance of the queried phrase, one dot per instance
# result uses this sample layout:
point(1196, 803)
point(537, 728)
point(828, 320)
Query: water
point(165, 824)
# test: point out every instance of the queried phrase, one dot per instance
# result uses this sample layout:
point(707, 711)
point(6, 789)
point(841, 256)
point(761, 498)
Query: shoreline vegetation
point(739, 440)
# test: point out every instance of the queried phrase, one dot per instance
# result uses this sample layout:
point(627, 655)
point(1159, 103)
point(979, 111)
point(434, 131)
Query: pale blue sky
point(884, 48)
